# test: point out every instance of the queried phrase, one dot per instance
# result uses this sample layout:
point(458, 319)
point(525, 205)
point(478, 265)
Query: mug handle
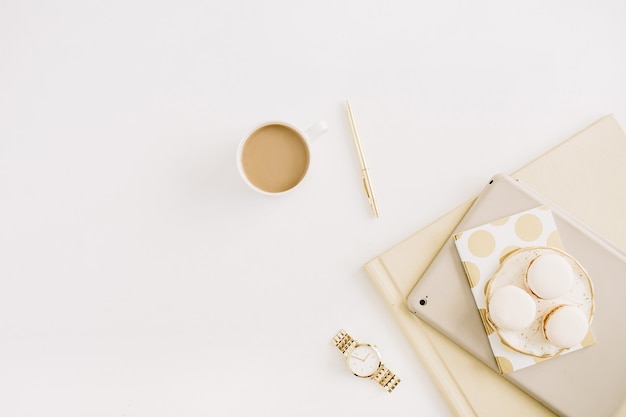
point(317, 130)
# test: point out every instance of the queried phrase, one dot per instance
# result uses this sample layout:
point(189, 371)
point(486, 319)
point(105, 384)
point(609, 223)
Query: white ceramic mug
point(274, 157)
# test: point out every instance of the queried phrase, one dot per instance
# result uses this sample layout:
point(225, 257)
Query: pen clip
point(365, 186)
point(369, 192)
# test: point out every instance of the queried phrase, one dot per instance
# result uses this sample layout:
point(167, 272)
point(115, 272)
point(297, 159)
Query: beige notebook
point(585, 175)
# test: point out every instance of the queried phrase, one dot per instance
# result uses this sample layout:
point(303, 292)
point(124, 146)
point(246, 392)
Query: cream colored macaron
point(549, 276)
point(565, 326)
point(511, 308)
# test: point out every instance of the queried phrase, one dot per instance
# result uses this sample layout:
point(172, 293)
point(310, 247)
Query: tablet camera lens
point(423, 302)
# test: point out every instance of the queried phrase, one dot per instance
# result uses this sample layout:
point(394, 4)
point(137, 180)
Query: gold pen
point(367, 183)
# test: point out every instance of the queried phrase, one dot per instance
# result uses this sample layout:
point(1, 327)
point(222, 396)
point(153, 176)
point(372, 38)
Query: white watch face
point(364, 360)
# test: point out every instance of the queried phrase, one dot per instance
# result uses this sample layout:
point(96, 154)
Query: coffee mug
point(274, 158)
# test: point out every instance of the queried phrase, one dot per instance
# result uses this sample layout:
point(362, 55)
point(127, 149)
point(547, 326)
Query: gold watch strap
point(344, 342)
point(386, 378)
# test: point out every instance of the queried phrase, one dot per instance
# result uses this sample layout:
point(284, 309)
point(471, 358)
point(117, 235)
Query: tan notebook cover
point(585, 175)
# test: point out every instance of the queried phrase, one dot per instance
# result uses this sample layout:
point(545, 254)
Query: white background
point(139, 276)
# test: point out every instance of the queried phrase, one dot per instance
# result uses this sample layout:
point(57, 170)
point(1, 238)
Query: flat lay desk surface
point(140, 276)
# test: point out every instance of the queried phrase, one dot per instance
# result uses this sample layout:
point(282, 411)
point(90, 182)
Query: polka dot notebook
point(497, 254)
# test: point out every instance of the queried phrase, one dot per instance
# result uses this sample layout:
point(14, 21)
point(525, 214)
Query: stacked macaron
point(512, 308)
point(565, 326)
point(549, 276)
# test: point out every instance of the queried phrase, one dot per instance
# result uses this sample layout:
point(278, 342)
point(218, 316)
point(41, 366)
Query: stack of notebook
point(586, 176)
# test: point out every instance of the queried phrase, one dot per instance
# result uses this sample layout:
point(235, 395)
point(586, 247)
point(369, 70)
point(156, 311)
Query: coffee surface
point(275, 158)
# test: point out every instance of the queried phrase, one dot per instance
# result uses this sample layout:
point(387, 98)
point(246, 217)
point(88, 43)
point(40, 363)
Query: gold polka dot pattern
point(528, 227)
point(472, 271)
point(481, 243)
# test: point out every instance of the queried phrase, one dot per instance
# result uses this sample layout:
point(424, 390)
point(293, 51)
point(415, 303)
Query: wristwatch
point(364, 361)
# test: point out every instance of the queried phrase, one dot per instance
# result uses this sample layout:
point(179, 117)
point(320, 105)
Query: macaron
point(549, 276)
point(565, 326)
point(511, 308)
